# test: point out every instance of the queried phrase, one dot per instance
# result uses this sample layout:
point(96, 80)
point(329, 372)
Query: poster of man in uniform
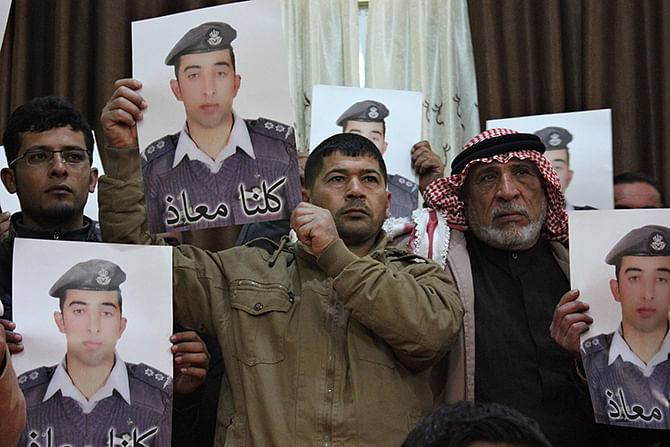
point(579, 147)
point(96, 323)
point(620, 262)
point(216, 140)
point(389, 118)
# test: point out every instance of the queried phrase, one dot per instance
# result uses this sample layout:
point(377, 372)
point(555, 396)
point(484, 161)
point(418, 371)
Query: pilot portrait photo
point(579, 147)
point(93, 394)
point(391, 119)
point(627, 361)
point(218, 166)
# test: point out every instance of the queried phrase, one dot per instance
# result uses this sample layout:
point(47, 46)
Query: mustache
point(355, 203)
point(505, 208)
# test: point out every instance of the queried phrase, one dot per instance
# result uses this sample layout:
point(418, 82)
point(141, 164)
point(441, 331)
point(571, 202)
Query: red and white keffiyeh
point(444, 194)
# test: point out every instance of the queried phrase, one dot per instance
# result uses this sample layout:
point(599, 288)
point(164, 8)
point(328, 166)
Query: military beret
point(94, 274)
point(204, 38)
point(495, 142)
point(367, 111)
point(650, 240)
point(554, 138)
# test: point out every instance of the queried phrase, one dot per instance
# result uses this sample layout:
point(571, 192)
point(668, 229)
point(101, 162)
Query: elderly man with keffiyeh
point(499, 226)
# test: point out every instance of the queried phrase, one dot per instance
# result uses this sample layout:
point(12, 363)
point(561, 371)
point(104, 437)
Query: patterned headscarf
point(498, 145)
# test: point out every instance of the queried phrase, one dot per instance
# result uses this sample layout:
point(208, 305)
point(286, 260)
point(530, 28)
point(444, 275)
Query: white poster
point(389, 118)
point(620, 262)
point(579, 145)
point(96, 320)
point(217, 143)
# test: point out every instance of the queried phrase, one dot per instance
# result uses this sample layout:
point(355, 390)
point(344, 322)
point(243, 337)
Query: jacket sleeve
point(409, 302)
point(12, 405)
point(197, 274)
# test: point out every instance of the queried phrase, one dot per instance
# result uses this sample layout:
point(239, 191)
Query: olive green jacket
point(329, 351)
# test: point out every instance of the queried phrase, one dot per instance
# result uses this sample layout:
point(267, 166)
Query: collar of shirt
point(239, 137)
point(117, 380)
point(619, 347)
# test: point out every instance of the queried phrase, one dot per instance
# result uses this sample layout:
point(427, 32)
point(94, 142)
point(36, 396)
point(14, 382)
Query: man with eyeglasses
point(49, 146)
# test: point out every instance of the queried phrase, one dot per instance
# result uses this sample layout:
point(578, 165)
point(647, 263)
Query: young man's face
point(92, 323)
point(372, 131)
point(559, 160)
point(206, 84)
point(643, 289)
point(353, 190)
point(52, 195)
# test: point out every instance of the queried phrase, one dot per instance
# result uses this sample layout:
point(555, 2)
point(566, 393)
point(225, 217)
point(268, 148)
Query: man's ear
point(306, 194)
point(93, 180)
point(238, 80)
point(176, 90)
point(386, 145)
point(614, 287)
point(123, 326)
point(58, 318)
point(8, 179)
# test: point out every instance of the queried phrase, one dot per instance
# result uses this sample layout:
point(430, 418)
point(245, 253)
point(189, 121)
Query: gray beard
point(513, 238)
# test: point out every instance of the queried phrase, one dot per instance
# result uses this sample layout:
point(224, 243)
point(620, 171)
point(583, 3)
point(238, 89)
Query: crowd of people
point(346, 335)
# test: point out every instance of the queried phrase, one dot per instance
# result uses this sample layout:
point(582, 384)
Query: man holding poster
point(219, 169)
point(628, 370)
point(93, 397)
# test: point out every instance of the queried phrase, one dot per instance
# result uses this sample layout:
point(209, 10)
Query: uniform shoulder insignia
point(596, 344)
point(403, 182)
point(274, 129)
point(151, 376)
point(35, 377)
point(160, 147)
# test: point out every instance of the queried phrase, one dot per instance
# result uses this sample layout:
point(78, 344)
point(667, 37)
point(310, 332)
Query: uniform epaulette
point(151, 376)
point(35, 377)
point(274, 129)
point(596, 344)
point(403, 183)
point(159, 147)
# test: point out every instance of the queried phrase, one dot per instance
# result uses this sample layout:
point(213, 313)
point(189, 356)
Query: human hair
point(639, 177)
point(42, 114)
point(464, 423)
point(349, 144)
point(177, 62)
point(61, 300)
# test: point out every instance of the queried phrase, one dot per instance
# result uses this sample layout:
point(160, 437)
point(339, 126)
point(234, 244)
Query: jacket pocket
point(260, 321)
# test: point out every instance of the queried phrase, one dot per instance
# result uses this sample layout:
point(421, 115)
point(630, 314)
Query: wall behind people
point(547, 57)
point(530, 58)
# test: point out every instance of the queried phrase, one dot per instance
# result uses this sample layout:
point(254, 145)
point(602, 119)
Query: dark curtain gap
point(554, 56)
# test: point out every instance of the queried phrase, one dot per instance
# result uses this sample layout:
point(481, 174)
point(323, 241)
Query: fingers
point(125, 105)
point(190, 353)
point(570, 321)
point(13, 339)
point(4, 224)
point(426, 163)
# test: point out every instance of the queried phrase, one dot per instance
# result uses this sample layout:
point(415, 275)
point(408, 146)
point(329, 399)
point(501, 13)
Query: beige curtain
point(322, 48)
point(424, 45)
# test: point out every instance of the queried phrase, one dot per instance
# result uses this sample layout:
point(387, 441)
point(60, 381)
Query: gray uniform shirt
point(189, 196)
point(57, 420)
point(621, 392)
